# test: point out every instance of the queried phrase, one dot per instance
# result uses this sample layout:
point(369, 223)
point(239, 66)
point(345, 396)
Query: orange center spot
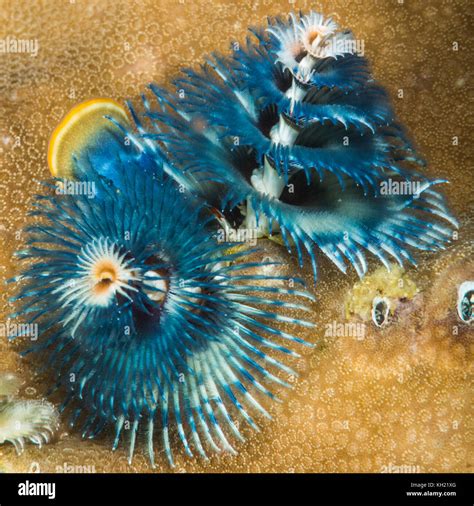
point(313, 35)
point(105, 273)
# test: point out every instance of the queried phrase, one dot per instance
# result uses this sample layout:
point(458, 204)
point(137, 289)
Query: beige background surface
point(400, 397)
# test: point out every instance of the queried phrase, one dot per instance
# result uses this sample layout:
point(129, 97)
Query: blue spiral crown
point(290, 134)
point(146, 318)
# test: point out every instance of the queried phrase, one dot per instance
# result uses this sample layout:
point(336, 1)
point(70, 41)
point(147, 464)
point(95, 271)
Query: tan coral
point(392, 402)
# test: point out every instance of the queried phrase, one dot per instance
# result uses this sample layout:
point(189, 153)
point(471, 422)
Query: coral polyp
point(22, 421)
point(146, 320)
point(465, 303)
point(291, 134)
point(380, 311)
point(27, 420)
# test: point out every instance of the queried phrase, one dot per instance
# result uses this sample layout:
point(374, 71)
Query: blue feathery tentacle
point(291, 133)
point(144, 317)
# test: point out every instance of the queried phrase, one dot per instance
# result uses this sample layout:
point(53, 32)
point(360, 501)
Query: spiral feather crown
point(291, 134)
point(146, 318)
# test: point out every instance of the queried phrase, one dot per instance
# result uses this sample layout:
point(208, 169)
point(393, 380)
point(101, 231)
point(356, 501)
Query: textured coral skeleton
point(158, 324)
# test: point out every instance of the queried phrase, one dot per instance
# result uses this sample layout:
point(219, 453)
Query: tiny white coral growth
point(22, 421)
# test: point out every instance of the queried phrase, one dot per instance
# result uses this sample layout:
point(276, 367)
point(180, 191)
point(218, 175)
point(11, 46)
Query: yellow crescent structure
point(77, 128)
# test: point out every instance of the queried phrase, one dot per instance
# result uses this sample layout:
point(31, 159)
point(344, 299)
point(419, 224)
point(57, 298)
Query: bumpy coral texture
point(360, 405)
